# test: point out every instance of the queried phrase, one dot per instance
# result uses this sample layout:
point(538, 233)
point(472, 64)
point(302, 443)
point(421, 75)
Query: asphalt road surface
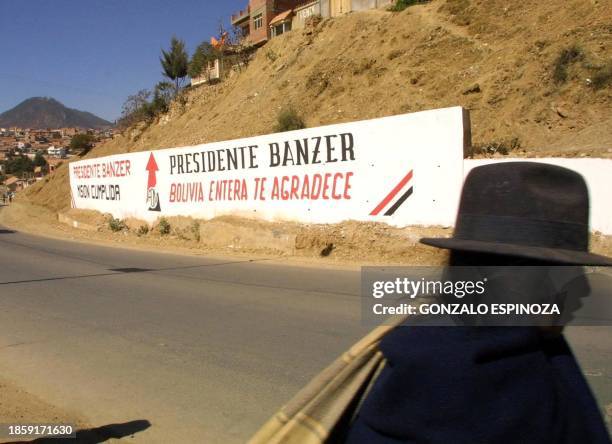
point(203, 349)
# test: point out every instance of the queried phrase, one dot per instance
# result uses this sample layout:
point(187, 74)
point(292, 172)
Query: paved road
point(203, 349)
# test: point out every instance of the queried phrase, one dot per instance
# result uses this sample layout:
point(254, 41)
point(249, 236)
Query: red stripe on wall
point(392, 194)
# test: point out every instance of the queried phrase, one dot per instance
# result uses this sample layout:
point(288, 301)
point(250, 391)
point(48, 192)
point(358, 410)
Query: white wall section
point(402, 170)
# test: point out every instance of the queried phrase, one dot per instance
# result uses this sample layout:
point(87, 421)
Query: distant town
point(28, 155)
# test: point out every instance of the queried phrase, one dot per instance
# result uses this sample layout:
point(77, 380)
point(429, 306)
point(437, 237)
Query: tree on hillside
point(203, 54)
point(175, 63)
point(162, 96)
point(40, 161)
point(19, 165)
point(241, 46)
point(82, 143)
point(134, 108)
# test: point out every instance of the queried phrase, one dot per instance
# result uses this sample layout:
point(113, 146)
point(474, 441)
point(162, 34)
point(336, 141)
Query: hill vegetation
point(535, 76)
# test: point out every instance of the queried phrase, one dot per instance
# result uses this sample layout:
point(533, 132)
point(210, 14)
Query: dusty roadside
point(345, 245)
point(17, 406)
point(348, 244)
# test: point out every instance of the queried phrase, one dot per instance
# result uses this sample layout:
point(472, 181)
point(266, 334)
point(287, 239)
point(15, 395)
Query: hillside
point(534, 75)
point(45, 112)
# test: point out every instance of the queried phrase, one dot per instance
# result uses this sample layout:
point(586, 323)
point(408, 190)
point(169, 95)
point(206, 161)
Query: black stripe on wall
point(399, 202)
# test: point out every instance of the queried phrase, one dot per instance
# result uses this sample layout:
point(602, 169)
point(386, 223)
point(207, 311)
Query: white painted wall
point(430, 144)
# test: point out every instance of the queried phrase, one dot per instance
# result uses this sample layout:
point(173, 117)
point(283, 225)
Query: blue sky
point(91, 54)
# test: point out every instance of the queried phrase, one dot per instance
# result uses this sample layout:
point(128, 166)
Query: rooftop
point(281, 17)
point(241, 15)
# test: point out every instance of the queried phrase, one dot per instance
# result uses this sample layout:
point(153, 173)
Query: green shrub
point(503, 147)
point(603, 76)
point(143, 230)
point(163, 226)
point(182, 99)
point(195, 230)
point(400, 5)
point(116, 224)
point(565, 58)
point(288, 120)
point(272, 56)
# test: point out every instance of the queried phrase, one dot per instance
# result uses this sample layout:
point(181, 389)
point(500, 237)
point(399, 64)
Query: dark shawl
point(477, 385)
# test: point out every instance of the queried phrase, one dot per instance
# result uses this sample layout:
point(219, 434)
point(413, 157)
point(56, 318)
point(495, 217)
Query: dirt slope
point(495, 58)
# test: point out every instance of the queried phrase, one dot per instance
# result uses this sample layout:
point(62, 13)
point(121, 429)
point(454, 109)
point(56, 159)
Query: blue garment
point(478, 385)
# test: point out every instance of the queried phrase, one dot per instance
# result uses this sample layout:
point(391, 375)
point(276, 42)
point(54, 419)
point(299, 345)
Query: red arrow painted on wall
point(152, 169)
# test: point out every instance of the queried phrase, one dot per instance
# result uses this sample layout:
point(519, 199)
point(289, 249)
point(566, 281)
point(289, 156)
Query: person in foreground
point(481, 385)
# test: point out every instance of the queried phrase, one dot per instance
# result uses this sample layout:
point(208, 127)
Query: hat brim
point(559, 255)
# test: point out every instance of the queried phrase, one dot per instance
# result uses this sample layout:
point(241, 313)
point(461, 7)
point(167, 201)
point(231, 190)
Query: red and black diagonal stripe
point(393, 194)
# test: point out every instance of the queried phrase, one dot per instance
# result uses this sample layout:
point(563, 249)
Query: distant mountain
point(45, 112)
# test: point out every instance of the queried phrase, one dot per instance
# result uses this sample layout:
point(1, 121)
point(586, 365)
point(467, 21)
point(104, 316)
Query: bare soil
point(348, 244)
point(500, 60)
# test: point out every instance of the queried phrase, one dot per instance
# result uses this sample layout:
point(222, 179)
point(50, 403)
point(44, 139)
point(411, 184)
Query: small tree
point(163, 226)
point(241, 47)
point(288, 119)
point(40, 161)
point(175, 63)
point(134, 108)
point(162, 97)
point(82, 143)
point(203, 54)
point(19, 165)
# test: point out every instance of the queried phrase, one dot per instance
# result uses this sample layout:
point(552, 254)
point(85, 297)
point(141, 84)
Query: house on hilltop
point(254, 21)
point(308, 9)
point(264, 19)
point(339, 7)
point(229, 57)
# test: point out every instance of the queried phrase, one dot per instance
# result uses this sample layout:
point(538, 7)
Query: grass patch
point(395, 54)
point(565, 58)
point(195, 230)
point(163, 226)
point(502, 147)
point(460, 11)
point(116, 225)
point(363, 66)
point(288, 120)
point(603, 76)
point(143, 230)
point(272, 56)
point(400, 5)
